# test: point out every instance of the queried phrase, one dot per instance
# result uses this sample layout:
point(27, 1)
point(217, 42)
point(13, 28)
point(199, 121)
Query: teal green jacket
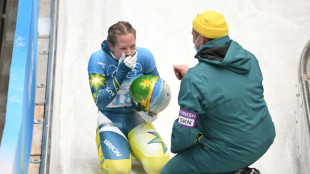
point(225, 89)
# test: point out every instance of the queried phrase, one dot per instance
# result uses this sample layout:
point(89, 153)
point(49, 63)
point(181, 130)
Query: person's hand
point(148, 116)
point(180, 71)
point(130, 61)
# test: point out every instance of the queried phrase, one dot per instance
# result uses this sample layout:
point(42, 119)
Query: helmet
point(150, 93)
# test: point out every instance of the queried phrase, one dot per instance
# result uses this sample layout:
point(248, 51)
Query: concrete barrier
point(17, 134)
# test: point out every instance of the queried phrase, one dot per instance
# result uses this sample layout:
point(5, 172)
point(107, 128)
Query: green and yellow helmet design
point(150, 93)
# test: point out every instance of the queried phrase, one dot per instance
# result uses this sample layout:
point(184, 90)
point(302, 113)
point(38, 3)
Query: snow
point(275, 31)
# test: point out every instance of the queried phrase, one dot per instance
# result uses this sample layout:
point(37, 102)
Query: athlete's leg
point(148, 147)
point(113, 147)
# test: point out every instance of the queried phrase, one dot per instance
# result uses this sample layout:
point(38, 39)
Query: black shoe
point(248, 171)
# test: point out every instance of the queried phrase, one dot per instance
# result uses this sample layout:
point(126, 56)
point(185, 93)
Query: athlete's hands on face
point(130, 61)
point(180, 71)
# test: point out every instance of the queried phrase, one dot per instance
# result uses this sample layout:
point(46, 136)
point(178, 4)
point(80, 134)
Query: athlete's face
point(124, 44)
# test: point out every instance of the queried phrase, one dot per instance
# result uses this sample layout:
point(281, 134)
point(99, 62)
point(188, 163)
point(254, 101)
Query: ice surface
point(274, 30)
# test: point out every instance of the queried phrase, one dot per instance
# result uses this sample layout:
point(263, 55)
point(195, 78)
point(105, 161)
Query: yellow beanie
point(210, 24)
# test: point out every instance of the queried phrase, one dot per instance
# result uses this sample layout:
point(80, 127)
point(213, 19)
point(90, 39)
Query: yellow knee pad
point(108, 166)
point(153, 165)
point(148, 147)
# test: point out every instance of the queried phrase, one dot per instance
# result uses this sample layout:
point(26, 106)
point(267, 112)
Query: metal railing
point(46, 144)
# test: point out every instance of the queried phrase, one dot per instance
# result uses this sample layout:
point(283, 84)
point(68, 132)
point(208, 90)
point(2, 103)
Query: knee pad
point(148, 147)
point(122, 166)
point(153, 165)
point(109, 166)
point(145, 141)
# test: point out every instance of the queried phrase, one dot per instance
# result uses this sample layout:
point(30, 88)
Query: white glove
point(130, 61)
point(121, 58)
point(148, 116)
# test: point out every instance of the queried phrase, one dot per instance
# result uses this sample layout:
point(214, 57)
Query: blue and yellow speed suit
point(121, 131)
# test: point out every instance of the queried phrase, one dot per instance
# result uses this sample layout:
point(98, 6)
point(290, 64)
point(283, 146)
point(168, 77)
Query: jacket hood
point(225, 53)
point(104, 47)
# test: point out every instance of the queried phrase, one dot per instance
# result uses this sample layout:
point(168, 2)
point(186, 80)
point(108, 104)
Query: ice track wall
point(17, 134)
point(303, 119)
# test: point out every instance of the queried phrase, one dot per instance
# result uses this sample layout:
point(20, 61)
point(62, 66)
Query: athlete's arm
point(153, 72)
point(148, 63)
point(103, 94)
